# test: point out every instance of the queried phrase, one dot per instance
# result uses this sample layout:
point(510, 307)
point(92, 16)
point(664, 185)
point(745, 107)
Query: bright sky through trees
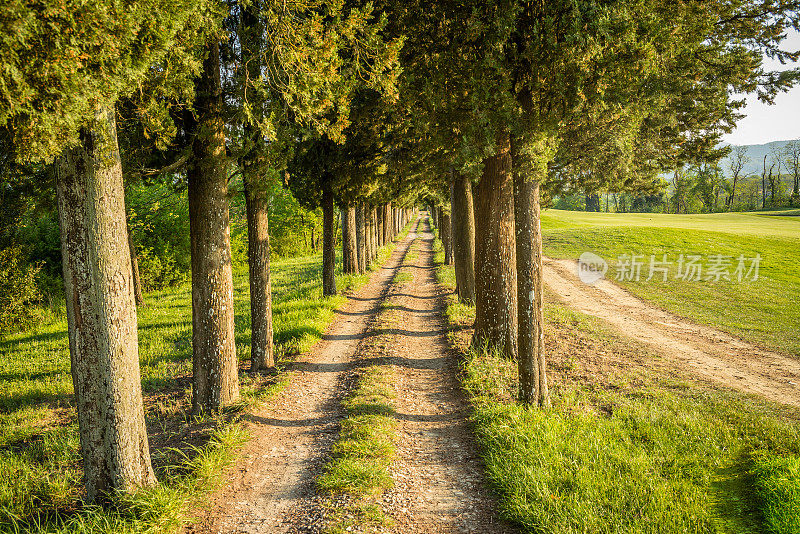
point(765, 123)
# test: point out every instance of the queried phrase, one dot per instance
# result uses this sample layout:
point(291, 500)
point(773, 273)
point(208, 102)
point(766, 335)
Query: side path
point(705, 351)
point(440, 487)
point(292, 434)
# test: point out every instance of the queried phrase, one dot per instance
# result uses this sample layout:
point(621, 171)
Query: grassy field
point(765, 311)
point(630, 444)
point(40, 471)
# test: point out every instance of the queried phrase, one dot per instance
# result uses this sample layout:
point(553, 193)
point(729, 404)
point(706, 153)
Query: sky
point(778, 122)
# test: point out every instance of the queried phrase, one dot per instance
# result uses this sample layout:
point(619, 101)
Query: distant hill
point(756, 154)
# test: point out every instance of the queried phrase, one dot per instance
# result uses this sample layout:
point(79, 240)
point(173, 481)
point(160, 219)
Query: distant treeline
point(706, 188)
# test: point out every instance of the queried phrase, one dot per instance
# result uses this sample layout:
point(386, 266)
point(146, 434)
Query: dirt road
point(705, 351)
point(439, 486)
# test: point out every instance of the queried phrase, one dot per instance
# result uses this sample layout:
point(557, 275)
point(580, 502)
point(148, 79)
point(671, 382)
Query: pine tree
point(65, 67)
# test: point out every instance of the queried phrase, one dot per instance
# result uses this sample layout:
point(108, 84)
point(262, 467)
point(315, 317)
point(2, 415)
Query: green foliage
point(293, 229)
point(61, 60)
point(158, 271)
point(18, 291)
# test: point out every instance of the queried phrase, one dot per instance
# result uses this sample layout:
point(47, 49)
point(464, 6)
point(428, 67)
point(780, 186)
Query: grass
point(365, 448)
point(765, 311)
point(629, 444)
point(40, 470)
point(777, 483)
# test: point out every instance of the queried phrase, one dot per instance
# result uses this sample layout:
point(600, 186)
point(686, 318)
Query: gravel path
point(439, 478)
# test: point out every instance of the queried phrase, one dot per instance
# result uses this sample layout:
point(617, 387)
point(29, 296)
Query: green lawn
point(40, 472)
point(629, 445)
point(765, 311)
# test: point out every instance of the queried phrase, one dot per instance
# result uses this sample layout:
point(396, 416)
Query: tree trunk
point(530, 359)
point(592, 202)
point(258, 258)
point(349, 229)
point(367, 236)
point(495, 262)
point(137, 280)
point(101, 313)
point(463, 237)
point(375, 233)
point(328, 243)
point(345, 241)
point(379, 226)
point(447, 241)
point(360, 238)
point(253, 167)
point(215, 368)
point(387, 223)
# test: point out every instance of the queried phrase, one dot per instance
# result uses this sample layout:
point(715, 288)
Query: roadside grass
point(765, 312)
point(40, 469)
point(777, 483)
point(358, 471)
point(630, 444)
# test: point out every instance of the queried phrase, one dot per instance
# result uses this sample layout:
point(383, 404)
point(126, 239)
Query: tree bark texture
point(495, 262)
point(328, 243)
point(447, 242)
point(373, 212)
point(380, 212)
point(368, 234)
point(101, 313)
point(253, 165)
point(360, 238)
point(258, 258)
point(215, 369)
point(387, 223)
point(530, 358)
point(137, 279)
point(463, 237)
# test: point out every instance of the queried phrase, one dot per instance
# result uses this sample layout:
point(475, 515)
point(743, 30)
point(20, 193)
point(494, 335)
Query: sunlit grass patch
point(777, 487)
point(365, 449)
point(402, 278)
point(765, 311)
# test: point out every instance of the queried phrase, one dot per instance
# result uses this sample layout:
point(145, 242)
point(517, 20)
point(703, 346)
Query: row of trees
point(471, 107)
point(706, 187)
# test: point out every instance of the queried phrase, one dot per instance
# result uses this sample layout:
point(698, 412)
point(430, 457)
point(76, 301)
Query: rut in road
point(439, 485)
point(701, 350)
point(292, 434)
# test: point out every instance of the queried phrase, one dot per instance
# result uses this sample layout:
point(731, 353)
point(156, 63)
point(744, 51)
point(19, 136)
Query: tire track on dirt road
point(702, 350)
point(293, 432)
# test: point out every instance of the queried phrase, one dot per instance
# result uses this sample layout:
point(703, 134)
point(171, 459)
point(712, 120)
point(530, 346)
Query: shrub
point(158, 271)
point(18, 290)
